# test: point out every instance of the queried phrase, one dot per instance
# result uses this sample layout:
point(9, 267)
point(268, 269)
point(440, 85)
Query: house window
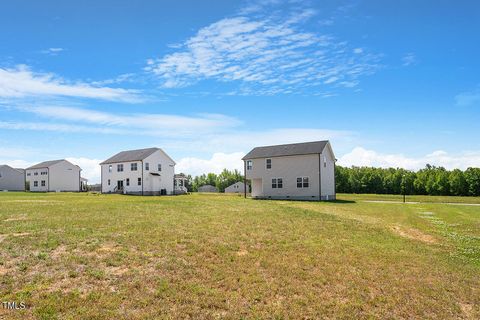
point(108, 182)
point(133, 167)
point(277, 183)
point(268, 163)
point(324, 161)
point(35, 183)
point(43, 183)
point(29, 174)
point(128, 181)
point(147, 166)
point(302, 182)
point(110, 168)
point(35, 174)
point(139, 181)
point(119, 167)
point(249, 165)
point(159, 167)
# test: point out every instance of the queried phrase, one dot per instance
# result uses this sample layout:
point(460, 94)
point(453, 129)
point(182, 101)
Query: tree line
point(428, 181)
point(431, 180)
point(221, 181)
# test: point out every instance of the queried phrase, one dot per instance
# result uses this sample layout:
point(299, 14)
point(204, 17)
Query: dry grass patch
point(413, 234)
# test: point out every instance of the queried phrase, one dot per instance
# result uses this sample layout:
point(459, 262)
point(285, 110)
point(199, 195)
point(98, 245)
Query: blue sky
point(389, 85)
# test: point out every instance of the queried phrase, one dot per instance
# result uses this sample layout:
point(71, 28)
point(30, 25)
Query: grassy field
point(88, 256)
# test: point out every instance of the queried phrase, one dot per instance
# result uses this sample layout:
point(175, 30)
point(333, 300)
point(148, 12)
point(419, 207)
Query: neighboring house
point(301, 171)
point(238, 187)
point(142, 172)
point(180, 183)
point(12, 179)
point(55, 175)
point(207, 188)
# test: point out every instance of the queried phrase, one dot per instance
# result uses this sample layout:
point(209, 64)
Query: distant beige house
point(207, 188)
point(237, 187)
point(300, 171)
point(11, 179)
point(55, 175)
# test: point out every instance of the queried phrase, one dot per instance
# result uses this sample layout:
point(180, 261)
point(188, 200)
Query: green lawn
point(87, 256)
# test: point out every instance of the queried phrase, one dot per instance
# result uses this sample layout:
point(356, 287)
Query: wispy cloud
point(22, 82)
point(363, 157)
point(265, 54)
point(53, 51)
point(85, 120)
point(409, 59)
point(468, 98)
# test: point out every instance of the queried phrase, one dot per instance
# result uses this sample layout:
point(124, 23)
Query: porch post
point(245, 179)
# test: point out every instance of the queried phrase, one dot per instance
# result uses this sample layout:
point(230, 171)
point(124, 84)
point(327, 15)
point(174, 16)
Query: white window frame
point(249, 164)
point(35, 183)
point(120, 167)
point(159, 167)
point(43, 183)
point(267, 163)
point(277, 183)
point(147, 166)
point(139, 181)
point(133, 166)
point(304, 182)
point(127, 182)
point(110, 168)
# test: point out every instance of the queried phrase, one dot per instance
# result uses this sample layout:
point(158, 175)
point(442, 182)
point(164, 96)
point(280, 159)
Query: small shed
point(237, 187)
point(207, 188)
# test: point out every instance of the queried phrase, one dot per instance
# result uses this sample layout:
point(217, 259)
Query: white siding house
point(238, 187)
point(12, 179)
point(300, 171)
point(142, 172)
point(55, 175)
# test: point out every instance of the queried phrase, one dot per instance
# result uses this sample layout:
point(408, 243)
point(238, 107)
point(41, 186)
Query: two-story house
point(143, 172)
point(12, 179)
point(54, 175)
point(300, 171)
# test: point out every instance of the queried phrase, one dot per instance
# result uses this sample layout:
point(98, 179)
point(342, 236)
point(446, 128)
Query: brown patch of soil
point(413, 234)
point(21, 218)
point(3, 270)
point(20, 234)
point(117, 271)
point(242, 252)
point(467, 309)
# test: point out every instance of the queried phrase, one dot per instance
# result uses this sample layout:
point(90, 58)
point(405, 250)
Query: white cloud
point(265, 54)
point(466, 99)
point(363, 157)
point(53, 51)
point(409, 59)
point(90, 168)
point(147, 124)
point(22, 82)
point(218, 162)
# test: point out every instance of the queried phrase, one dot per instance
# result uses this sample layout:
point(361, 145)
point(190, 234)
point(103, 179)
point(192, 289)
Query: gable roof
point(45, 164)
point(313, 147)
point(133, 155)
point(6, 166)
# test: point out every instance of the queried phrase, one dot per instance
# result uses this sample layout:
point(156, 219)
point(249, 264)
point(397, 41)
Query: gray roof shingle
point(313, 147)
point(45, 164)
point(131, 155)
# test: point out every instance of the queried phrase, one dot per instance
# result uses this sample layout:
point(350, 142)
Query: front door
point(120, 185)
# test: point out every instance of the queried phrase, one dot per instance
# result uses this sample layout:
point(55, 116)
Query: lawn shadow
point(343, 201)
